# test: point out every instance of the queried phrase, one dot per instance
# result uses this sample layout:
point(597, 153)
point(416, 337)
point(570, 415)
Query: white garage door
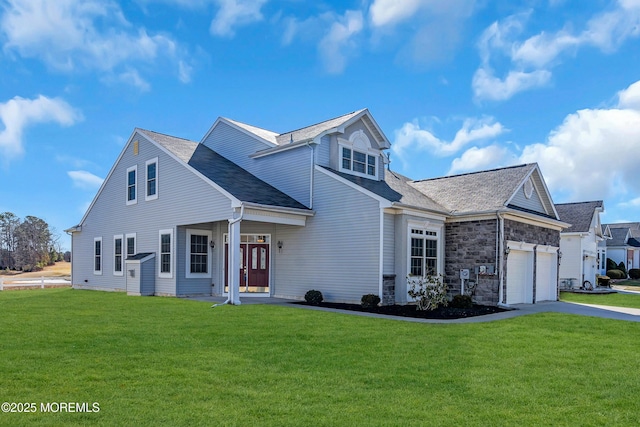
point(520, 277)
point(546, 277)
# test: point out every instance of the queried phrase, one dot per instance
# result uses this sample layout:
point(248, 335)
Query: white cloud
point(530, 59)
point(233, 13)
point(85, 180)
point(412, 137)
point(630, 97)
point(482, 158)
point(71, 35)
point(337, 44)
point(487, 86)
point(19, 113)
point(390, 12)
point(592, 154)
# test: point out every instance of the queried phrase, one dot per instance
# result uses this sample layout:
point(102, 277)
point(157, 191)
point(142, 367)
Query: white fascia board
point(536, 220)
point(280, 209)
point(281, 148)
point(240, 129)
point(124, 150)
point(402, 209)
point(384, 144)
point(384, 203)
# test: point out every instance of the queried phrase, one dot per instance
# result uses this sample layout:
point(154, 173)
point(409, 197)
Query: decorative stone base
point(388, 289)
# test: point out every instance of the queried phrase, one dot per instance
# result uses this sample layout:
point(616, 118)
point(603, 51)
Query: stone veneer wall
point(470, 245)
point(388, 289)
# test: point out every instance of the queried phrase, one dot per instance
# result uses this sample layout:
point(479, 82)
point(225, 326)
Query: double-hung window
point(97, 255)
point(166, 253)
point(130, 240)
point(132, 180)
point(198, 253)
point(152, 179)
point(423, 260)
point(117, 255)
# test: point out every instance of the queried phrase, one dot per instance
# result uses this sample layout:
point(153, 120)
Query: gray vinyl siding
point(288, 171)
point(183, 198)
point(337, 252)
point(234, 145)
point(534, 203)
point(323, 152)
point(389, 244)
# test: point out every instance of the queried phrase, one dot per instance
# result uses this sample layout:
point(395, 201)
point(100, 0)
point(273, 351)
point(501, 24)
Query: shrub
point(369, 300)
point(313, 297)
point(616, 274)
point(611, 264)
point(623, 268)
point(430, 292)
point(603, 280)
point(634, 273)
point(461, 301)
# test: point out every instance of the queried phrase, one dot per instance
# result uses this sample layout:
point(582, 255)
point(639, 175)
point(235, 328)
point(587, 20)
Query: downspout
point(311, 163)
point(231, 221)
point(500, 247)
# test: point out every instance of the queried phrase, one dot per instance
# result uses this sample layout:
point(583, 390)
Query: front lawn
point(166, 361)
point(616, 300)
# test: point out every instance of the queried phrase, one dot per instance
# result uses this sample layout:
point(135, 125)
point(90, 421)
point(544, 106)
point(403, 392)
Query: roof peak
point(352, 113)
point(477, 172)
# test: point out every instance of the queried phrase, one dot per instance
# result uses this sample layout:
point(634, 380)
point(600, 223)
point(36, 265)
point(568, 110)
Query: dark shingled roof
point(477, 191)
point(579, 215)
point(139, 257)
point(394, 188)
point(237, 181)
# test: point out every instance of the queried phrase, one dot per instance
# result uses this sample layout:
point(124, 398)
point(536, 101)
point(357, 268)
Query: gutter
point(311, 168)
point(500, 249)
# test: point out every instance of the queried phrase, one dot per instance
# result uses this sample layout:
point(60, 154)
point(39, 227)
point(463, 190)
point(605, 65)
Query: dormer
point(358, 156)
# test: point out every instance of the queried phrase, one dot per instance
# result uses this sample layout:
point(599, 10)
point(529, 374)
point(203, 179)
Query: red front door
point(254, 268)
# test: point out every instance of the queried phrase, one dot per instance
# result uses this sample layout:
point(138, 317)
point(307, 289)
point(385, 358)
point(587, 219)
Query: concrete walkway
point(607, 312)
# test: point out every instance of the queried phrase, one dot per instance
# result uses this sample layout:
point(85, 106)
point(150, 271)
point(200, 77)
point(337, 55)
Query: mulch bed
point(410, 310)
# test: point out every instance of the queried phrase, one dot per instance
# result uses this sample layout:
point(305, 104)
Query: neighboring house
point(247, 211)
point(581, 258)
point(624, 245)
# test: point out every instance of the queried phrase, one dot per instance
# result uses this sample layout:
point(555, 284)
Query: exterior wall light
point(212, 244)
point(280, 244)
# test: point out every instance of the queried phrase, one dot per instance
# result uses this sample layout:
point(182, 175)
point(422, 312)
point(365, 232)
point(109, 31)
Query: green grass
point(630, 282)
point(616, 300)
point(164, 361)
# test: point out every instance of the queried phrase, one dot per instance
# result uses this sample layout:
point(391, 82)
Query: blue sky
point(456, 86)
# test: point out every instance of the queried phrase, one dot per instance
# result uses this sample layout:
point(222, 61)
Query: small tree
point(430, 292)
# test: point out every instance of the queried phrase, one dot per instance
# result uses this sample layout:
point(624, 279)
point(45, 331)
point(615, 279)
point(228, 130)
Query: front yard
point(616, 300)
point(166, 361)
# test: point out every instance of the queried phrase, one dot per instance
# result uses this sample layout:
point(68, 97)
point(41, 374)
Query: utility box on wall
point(464, 273)
point(140, 274)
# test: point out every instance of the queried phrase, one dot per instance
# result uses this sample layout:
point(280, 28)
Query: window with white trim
point(357, 156)
point(97, 255)
point(198, 260)
point(359, 162)
point(117, 255)
point(132, 180)
point(131, 244)
point(152, 179)
point(423, 252)
point(165, 264)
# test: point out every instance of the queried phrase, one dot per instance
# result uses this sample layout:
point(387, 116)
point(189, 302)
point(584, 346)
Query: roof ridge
point(164, 134)
point(324, 121)
point(578, 203)
point(476, 172)
point(248, 124)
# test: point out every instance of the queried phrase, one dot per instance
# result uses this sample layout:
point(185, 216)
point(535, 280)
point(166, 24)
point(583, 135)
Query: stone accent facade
point(388, 289)
point(472, 244)
point(469, 245)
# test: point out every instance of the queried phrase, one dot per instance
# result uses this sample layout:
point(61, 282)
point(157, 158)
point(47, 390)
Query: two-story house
point(247, 211)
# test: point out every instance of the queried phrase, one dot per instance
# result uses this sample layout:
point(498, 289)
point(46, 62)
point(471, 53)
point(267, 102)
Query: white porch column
point(234, 261)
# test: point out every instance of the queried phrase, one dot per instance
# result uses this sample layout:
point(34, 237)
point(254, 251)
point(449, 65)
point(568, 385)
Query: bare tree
point(9, 223)
point(33, 242)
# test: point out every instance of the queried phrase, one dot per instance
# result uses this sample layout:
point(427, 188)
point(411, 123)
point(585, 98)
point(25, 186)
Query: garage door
point(520, 277)
point(546, 277)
